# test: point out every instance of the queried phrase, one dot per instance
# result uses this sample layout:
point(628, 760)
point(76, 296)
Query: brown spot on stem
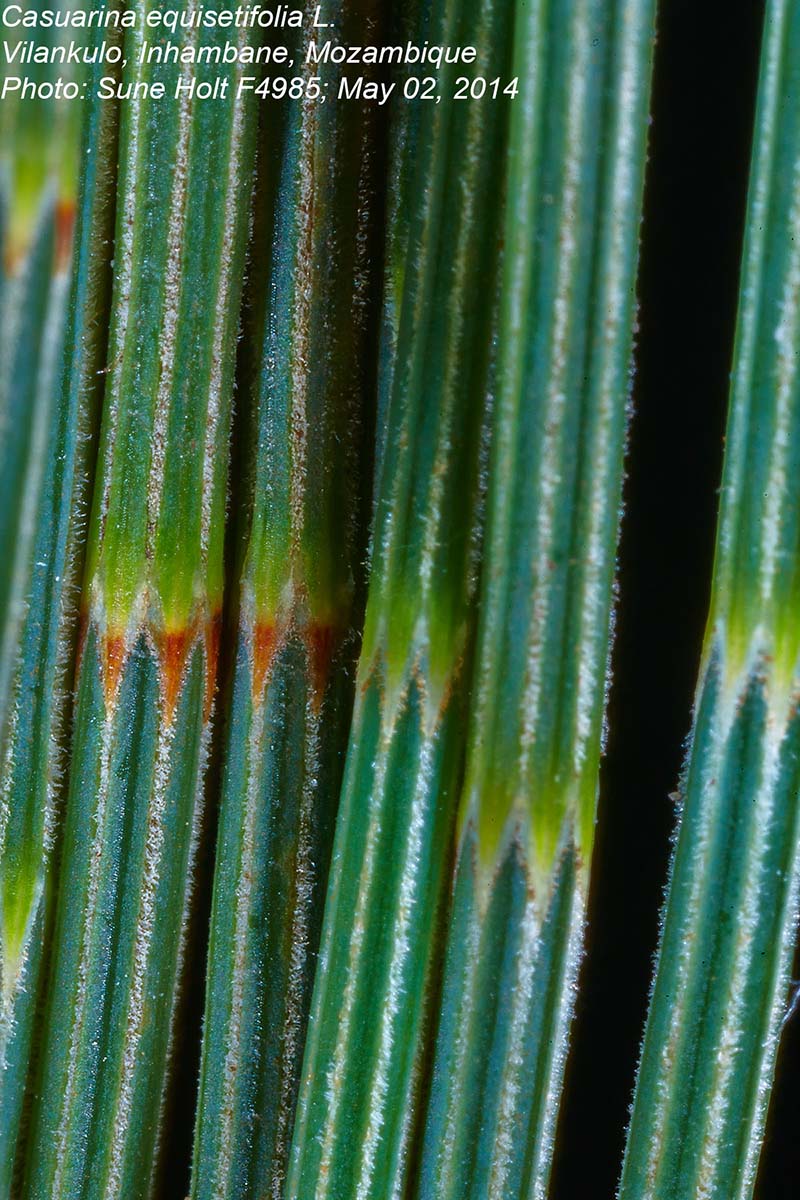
point(173, 648)
point(65, 223)
point(20, 240)
point(265, 643)
point(113, 654)
point(321, 642)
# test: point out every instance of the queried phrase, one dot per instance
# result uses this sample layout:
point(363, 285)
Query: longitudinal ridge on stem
point(147, 658)
point(730, 919)
point(360, 1088)
point(300, 603)
point(527, 809)
point(52, 351)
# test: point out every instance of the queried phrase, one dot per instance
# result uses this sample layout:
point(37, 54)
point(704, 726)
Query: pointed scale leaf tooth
point(730, 919)
point(152, 595)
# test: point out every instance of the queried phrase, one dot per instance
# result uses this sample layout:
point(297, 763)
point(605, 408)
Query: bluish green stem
point(720, 990)
point(360, 1089)
point(526, 815)
point(300, 604)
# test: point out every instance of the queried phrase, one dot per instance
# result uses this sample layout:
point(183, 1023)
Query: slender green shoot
point(38, 168)
point(301, 595)
point(360, 1090)
point(527, 810)
point(60, 301)
point(720, 992)
point(147, 659)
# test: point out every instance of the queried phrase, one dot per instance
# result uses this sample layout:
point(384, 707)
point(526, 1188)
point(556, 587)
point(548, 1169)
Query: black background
point(700, 140)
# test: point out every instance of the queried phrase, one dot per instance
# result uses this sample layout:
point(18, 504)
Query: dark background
point(704, 96)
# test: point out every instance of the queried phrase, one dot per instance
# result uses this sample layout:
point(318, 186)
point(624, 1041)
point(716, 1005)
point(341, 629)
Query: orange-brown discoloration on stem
point(20, 241)
point(322, 642)
point(173, 649)
point(12, 260)
point(264, 645)
point(65, 223)
point(113, 654)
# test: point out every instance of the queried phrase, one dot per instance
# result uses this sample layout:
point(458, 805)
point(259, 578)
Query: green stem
point(527, 811)
point(409, 23)
point(359, 1094)
point(301, 597)
point(720, 991)
point(38, 163)
point(61, 405)
point(147, 664)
